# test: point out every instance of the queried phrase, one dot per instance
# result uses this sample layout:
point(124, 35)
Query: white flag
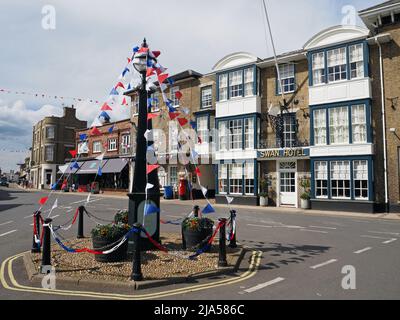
point(229, 199)
point(204, 190)
point(88, 198)
point(101, 157)
point(149, 186)
point(186, 111)
point(149, 135)
point(96, 123)
point(55, 205)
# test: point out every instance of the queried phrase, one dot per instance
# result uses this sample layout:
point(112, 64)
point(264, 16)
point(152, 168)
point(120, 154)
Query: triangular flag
point(136, 49)
point(229, 199)
point(120, 85)
point(110, 130)
point(101, 157)
point(150, 209)
point(198, 172)
point(162, 77)
point(125, 72)
point(193, 124)
point(55, 205)
point(182, 121)
point(171, 81)
point(149, 135)
point(73, 153)
point(208, 209)
point(105, 107)
point(163, 87)
point(173, 115)
point(129, 60)
point(152, 116)
point(204, 190)
point(96, 123)
point(114, 92)
point(75, 165)
point(143, 49)
point(99, 172)
point(129, 87)
point(178, 95)
point(199, 140)
point(95, 132)
point(186, 111)
point(124, 103)
point(54, 187)
point(151, 168)
point(156, 53)
point(64, 184)
point(150, 72)
point(149, 186)
point(194, 154)
point(83, 137)
point(43, 201)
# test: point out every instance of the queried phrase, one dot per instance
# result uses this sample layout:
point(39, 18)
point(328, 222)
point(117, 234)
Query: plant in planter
point(106, 237)
point(264, 194)
point(306, 195)
point(196, 230)
point(121, 217)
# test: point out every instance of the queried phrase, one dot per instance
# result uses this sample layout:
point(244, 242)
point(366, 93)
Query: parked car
point(4, 183)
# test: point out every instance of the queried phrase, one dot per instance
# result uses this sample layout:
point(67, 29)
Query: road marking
point(362, 250)
point(275, 226)
point(5, 223)
point(328, 228)
point(7, 233)
point(373, 237)
point(388, 233)
point(56, 216)
point(323, 264)
point(389, 241)
point(263, 285)
point(316, 231)
point(31, 216)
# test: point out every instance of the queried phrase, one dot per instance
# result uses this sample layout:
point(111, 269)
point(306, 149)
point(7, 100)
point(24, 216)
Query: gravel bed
point(156, 265)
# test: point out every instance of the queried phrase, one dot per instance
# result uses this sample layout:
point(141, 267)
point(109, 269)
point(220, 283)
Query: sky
point(86, 52)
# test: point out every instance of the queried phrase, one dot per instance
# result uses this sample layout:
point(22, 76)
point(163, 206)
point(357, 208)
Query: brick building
point(52, 139)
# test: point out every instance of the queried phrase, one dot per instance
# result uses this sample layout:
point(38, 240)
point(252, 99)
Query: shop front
point(284, 170)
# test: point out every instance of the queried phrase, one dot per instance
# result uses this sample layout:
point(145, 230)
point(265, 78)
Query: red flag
point(129, 60)
point(73, 153)
point(120, 85)
point(178, 95)
point(162, 77)
point(152, 116)
point(150, 72)
point(151, 168)
point(124, 103)
point(200, 141)
point(95, 132)
point(105, 107)
point(156, 53)
point(182, 121)
point(43, 201)
point(198, 172)
point(142, 49)
point(173, 115)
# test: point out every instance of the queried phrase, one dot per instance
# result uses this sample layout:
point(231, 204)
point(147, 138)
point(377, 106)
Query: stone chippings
point(156, 265)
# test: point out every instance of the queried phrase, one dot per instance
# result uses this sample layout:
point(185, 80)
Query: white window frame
point(321, 176)
point(126, 143)
point(223, 87)
point(236, 84)
point(235, 182)
point(249, 178)
point(112, 144)
point(356, 53)
point(288, 78)
point(173, 176)
point(359, 123)
point(223, 136)
point(342, 175)
point(339, 65)
point(206, 97)
point(202, 128)
point(319, 123)
point(248, 82)
point(235, 128)
point(360, 175)
point(338, 128)
point(53, 136)
point(318, 68)
point(223, 183)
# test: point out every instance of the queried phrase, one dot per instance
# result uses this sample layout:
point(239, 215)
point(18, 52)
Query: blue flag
point(99, 172)
point(114, 92)
point(150, 209)
point(193, 124)
point(171, 81)
point(111, 129)
point(54, 187)
point(208, 209)
point(83, 137)
point(136, 49)
point(125, 72)
point(75, 165)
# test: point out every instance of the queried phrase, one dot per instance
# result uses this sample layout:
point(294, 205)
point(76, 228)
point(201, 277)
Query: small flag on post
point(75, 165)
point(204, 190)
point(43, 201)
point(152, 116)
point(73, 153)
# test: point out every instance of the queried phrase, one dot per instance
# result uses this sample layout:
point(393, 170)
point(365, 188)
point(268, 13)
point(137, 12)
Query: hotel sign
point(284, 153)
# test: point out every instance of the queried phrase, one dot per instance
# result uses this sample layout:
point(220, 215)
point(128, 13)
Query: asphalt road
point(302, 255)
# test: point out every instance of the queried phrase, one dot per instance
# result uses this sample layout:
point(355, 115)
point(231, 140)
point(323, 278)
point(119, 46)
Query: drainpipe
point(383, 125)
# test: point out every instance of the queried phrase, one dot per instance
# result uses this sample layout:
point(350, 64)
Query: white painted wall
point(342, 150)
point(238, 106)
point(239, 155)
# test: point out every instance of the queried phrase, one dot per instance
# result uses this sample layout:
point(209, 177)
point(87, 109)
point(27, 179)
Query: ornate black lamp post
point(137, 197)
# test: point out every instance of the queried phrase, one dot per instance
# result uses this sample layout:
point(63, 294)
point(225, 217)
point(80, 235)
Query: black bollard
point(222, 244)
point(36, 221)
point(46, 255)
point(196, 210)
point(137, 267)
point(232, 241)
point(80, 223)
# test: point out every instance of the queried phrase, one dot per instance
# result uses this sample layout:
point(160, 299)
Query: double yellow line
point(7, 266)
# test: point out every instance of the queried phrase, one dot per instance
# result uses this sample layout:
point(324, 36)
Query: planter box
point(193, 239)
point(103, 245)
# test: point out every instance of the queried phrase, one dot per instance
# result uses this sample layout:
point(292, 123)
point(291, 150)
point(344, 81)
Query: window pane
point(286, 72)
point(360, 176)
point(337, 64)
point(236, 84)
point(320, 127)
point(339, 125)
point(340, 179)
point(359, 123)
point(356, 53)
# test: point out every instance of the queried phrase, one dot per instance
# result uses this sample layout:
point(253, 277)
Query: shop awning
point(115, 165)
point(66, 169)
point(91, 167)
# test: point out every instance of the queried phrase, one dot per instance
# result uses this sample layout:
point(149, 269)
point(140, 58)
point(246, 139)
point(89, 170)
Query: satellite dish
point(274, 110)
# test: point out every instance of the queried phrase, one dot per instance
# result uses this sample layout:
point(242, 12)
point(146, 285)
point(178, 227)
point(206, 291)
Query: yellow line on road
point(7, 264)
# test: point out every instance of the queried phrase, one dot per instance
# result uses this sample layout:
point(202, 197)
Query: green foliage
point(121, 217)
point(197, 224)
point(110, 231)
point(306, 185)
point(264, 188)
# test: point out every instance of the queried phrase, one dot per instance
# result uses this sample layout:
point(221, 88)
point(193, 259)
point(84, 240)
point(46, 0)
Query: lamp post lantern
point(137, 196)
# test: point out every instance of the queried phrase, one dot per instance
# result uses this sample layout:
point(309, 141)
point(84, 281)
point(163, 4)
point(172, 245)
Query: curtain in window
point(320, 127)
point(248, 82)
point(339, 125)
point(223, 87)
point(359, 125)
point(357, 61)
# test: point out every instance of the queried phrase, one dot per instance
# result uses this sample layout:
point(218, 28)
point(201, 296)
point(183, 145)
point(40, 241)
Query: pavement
point(303, 254)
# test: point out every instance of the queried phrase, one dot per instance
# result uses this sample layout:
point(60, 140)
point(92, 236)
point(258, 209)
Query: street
point(303, 256)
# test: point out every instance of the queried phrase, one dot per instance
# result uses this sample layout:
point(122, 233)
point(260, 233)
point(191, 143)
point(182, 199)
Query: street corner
point(18, 273)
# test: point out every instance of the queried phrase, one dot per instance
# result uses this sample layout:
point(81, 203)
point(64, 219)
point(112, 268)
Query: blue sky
point(86, 52)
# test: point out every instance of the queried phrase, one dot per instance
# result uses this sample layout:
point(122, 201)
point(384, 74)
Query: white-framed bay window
point(360, 179)
point(321, 179)
point(235, 134)
point(356, 53)
point(236, 84)
point(337, 64)
point(359, 123)
point(249, 178)
point(340, 179)
point(319, 126)
point(236, 178)
point(288, 80)
point(223, 178)
point(318, 68)
point(223, 87)
point(249, 133)
point(248, 82)
point(339, 125)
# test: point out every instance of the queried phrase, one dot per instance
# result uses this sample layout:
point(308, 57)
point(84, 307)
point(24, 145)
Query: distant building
point(53, 138)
